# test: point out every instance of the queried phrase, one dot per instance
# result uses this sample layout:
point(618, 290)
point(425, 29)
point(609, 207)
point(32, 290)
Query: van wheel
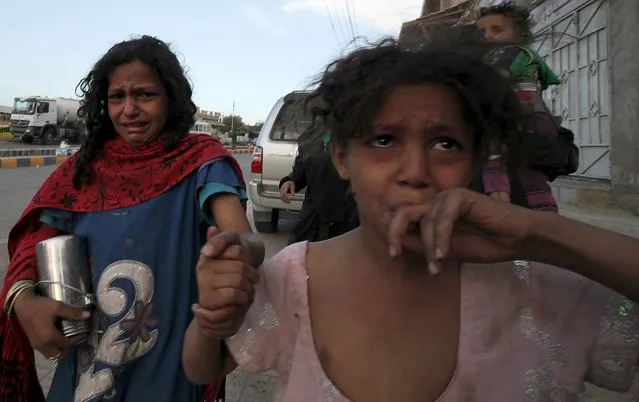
point(270, 226)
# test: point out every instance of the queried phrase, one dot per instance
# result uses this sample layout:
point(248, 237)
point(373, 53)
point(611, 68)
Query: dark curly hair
point(519, 16)
point(352, 89)
point(94, 87)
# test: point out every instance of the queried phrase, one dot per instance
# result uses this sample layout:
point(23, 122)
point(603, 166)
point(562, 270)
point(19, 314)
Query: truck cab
point(45, 119)
point(23, 118)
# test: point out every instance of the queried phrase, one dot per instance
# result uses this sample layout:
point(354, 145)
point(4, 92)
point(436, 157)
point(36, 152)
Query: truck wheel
point(270, 226)
point(27, 139)
point(48, 136)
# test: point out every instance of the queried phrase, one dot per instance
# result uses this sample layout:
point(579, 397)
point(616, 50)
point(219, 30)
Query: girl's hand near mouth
point(463, 225)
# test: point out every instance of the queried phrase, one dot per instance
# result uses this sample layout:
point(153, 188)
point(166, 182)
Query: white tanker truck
point(47, 120)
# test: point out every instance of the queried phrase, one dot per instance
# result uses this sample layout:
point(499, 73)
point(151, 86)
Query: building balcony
point(414, 33)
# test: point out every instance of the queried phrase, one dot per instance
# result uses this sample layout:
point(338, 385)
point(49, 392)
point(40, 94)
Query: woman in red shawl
point(142, 191)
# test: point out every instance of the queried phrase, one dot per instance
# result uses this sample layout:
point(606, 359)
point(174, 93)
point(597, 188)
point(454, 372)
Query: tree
point(257, 127)
point(233, 123)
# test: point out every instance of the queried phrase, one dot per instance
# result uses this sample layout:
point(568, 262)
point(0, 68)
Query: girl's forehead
point(430, 104)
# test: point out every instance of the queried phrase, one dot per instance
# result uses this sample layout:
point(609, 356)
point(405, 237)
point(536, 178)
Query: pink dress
point(529, 332)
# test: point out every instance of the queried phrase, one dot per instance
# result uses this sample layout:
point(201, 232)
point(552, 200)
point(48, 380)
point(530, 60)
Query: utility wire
point(340, 22)
point(330, 18)
point(350, 12)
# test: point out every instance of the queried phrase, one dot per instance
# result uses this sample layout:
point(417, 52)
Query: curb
point(31, 161)
point(26, 152)
point(37, 161)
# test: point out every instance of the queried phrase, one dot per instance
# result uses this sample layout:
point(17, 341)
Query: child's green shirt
point(529, 64)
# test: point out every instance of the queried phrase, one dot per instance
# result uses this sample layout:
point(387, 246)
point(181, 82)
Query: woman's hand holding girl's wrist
point(255, 249)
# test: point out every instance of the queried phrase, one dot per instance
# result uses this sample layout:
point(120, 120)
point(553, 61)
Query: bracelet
point(16, 290)
point(19, 288)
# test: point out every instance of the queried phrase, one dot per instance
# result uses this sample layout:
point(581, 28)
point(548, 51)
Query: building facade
point(598, 98)
point(213, 118)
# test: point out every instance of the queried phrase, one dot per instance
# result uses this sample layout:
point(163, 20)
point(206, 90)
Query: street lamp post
point(233, 138)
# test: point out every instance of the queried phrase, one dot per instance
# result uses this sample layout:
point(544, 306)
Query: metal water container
point(65, 276)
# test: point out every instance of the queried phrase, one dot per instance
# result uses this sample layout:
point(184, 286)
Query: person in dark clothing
point(329, 209)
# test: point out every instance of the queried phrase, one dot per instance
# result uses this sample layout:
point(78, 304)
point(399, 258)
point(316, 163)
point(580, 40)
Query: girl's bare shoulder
point(330, 252)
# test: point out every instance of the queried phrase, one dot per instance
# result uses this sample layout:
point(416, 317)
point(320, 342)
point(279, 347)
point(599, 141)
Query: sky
point(250, 52)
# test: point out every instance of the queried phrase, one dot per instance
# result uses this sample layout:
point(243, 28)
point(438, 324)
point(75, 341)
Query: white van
point(273, 158)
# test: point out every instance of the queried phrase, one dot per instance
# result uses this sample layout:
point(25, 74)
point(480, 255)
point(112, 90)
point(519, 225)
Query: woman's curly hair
point(352, 89)
point(519, 16)
point(94, 88)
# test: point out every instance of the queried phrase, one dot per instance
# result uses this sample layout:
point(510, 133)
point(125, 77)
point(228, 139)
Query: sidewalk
point(610, 219)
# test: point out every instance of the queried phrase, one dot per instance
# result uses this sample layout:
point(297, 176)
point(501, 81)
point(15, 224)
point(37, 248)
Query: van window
point(290, 123)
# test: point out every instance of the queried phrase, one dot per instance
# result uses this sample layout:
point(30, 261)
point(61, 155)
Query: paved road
point(17, 186)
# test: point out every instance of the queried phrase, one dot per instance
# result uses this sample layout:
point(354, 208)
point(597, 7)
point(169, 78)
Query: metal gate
point(573, 38)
